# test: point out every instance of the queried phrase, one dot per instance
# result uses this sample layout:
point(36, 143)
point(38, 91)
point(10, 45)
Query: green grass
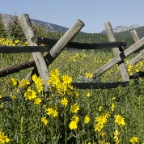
point(21, 119)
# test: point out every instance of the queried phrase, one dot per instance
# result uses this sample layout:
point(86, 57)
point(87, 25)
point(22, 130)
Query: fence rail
point(51, 42)
point(78, 45)
point(55, 47)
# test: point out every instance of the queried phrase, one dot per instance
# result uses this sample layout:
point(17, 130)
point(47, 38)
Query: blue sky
point(94, 13)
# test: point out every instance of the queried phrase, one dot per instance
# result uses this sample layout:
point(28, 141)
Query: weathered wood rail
point(28, 64)
point(55, 47)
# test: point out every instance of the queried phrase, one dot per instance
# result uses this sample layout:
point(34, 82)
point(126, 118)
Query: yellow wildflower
point(38, 82)
point(98, 127)
point(24, 83)
point(51, 111)
point(66, 79)
point(86, 119)
point(54, 113)
point(64, 102)
point(119, 120)
point(44, 120)
point(100, 108)
point(14, 81)
point(73, 125)
point(30, 94)
point(134, 140)
point(37, 101)
point(102, 119)
point(140, 63)
point(13, 97)
point(16, 41)
point(75, 118)
point(89, 75)
point(54, 72)
point(3, 138)
point(88, 94)
point(112, 107)
point(113, 98)
point(75, 108)
point(137, 70)
point(54, 80)
point(116, 137)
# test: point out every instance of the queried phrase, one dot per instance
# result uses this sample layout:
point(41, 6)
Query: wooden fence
point(55, 47)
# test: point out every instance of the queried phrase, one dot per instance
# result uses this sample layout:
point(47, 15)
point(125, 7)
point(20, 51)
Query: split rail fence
point(55, 47)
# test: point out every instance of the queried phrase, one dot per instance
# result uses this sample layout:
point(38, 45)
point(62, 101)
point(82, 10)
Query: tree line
point(14, 30)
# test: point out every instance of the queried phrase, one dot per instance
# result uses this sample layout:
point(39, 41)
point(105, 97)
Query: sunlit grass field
point(68, 115)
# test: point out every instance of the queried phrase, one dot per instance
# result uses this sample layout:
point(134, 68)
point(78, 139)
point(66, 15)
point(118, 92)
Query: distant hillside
point(83, 36)
point(123, 28)
point(127, 34)
point(48, 26)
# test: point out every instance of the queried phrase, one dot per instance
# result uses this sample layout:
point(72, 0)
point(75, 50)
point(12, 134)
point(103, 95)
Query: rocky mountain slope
point(123, 28)
point(48, 26)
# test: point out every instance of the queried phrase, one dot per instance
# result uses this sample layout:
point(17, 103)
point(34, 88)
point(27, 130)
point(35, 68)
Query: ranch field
point(68, 115)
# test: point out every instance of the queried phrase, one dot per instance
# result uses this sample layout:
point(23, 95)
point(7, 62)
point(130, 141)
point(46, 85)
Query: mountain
point(123, 28)
point(48, 26)
point(121, 32)
point(139, 30)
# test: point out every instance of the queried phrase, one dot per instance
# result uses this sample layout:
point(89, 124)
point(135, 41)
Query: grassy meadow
point(68, 115)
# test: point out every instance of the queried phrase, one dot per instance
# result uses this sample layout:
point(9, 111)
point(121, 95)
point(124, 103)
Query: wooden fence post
point(140, 56)
point(122, 66)
point(50, 42)
point(118, 58)
point(58, 47)
point(38, 57)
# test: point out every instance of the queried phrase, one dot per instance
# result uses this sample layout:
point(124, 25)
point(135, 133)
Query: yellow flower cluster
point(21, 83)
point(64, 101)
point(135, 68)
point(74, 122)
point(62, 84)
point(10, 42)
point(89, 75)
point(3, 138)
point(30, 94)
point(75, 108)
point(86, 119)
point(134, 140)
point(116, 137)
point(119, 120)
point(38, 83)
point(101, 121)
point(44, 120)
point(52, 112)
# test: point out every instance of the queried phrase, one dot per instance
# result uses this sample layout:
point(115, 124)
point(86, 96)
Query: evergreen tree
point(2, 28)
point(39, 31)
point(15, 30)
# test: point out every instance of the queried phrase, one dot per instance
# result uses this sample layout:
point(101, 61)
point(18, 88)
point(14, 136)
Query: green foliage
point(2, 28)
point(21, 119)
point(39, 31)
point(15, 31)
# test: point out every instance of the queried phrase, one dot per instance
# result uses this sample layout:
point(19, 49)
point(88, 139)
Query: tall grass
point(68, 115)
